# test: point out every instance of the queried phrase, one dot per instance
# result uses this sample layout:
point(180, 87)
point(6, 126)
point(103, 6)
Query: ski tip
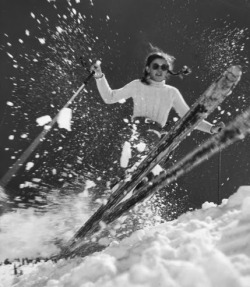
point(234, 73)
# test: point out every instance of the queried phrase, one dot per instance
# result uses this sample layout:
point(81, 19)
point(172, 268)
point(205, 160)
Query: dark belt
point(146, 124)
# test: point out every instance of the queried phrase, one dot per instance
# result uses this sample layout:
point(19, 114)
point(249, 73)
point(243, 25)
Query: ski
point(235, 131)
point(207, 102)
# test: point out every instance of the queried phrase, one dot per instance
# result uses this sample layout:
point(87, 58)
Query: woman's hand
point(97, 69)
point(217, 128)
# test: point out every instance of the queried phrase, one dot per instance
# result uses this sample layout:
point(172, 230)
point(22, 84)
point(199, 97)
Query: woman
point(153, 98)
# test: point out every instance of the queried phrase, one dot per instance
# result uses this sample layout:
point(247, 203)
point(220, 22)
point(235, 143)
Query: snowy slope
point(206, 247)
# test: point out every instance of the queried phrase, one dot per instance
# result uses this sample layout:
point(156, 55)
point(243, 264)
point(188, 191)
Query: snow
point(29, 233)
point(157, 169)
point(41, 121)
point(42, 40)
point(29, 165)
point(24, 136)
point(141, 146)
point(202, 248)
point(59, 29)
point(10, 104)
point(11, 137)
point(64, 118)
point(10, 55)
point(126, 154)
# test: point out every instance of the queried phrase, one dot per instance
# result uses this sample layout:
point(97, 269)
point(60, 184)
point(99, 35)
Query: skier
point(153, 98)
point(213, 96)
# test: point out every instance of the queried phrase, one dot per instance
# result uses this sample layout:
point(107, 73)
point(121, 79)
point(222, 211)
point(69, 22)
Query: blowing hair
point(157, 53)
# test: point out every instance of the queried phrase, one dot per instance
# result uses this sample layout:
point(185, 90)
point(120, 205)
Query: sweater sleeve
point(181, 107)
point(113, 96)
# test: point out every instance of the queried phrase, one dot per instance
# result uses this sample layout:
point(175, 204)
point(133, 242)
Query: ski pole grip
point(98, 63)
point(98, 72)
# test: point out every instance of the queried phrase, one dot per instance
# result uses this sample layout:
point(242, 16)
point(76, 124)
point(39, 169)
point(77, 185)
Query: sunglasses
point(163, 67)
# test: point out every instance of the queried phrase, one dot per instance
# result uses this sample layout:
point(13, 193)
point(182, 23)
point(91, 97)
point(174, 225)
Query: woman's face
point(158, 70)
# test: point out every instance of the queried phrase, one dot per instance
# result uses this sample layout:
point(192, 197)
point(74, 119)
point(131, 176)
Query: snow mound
point(207, 247)
point(237, 198)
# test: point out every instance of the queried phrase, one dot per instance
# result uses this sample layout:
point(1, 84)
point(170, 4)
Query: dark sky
point(40, 70)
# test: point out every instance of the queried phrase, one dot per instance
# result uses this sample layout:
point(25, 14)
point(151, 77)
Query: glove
point(186, 70)
point(97, 69)
point(217, 128)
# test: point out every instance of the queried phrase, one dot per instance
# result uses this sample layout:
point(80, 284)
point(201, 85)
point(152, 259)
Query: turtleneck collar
point(157, 84)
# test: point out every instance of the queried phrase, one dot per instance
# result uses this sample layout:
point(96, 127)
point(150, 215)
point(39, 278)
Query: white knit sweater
point(152, 101)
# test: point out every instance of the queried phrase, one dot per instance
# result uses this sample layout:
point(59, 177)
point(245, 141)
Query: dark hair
point(159, 54)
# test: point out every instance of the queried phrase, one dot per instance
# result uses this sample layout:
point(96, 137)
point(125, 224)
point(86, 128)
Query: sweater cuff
point(99, 76)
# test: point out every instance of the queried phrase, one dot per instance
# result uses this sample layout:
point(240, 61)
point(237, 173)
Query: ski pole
point(20, 161)
point(219, 176)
